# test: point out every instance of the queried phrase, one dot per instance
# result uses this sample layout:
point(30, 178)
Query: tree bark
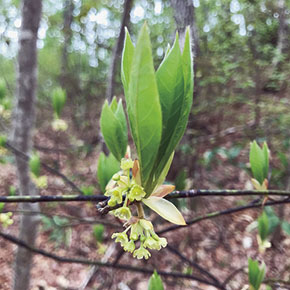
point(117, 50)
point(184, 16)
point(23, 127)
point(67, 33)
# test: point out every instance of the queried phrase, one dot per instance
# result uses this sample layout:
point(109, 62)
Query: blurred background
point(241, 92)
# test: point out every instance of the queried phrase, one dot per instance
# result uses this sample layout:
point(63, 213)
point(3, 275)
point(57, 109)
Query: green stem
point(140, 210)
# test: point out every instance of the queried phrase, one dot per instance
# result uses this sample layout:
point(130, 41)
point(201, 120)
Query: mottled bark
point(184, 16)
point(282, 32)
point(117, 50)
point(67, 33)
point(23, 128)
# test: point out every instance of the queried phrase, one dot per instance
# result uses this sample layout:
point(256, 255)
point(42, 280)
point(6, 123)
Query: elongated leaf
point(256, 274)
point(126, 64)
point(155, 282)
point(58, 100)
point(266, 160)
point(114, 128)
point(175, 108)
point(165, 208)
point(144, 109)
point(263, 226)
point(107, 167)
point(259, 161)
point(163, 190)
point(34, 164)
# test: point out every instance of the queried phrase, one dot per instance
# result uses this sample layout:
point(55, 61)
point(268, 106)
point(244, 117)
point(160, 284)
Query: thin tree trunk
point(117, 50)
point(282, 33)
point(23, 127)
point(184, 16)
point(67, 33)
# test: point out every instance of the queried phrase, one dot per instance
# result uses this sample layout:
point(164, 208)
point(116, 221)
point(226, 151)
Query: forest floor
point(221, 245)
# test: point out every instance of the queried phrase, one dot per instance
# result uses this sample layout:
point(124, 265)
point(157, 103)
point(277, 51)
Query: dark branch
point(61, 259)
point(223, 212)
point(46, 167)
point(194, 265)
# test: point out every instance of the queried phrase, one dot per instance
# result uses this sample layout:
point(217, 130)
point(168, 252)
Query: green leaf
point(114, 128)
point(126, 63)
point(34, 164)
point(266, 160)
point(273, 219)
point(263, 226)
point(58, 100)
point(286, 227)
point(155, 282)
point(98, 231)
point(143, 105)
point(87, 190)
point(107, 167)
point(3, 140)
point(175, 85)
point(165, 209)
point(259, 160)
point(256, 274)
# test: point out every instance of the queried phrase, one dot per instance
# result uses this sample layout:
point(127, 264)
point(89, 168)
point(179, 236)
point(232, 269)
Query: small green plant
point(259, 160)
point(98, 232)
point(155, 282)
point(256, 274)
point(35, 165)
point(263, 232)
point(58, 102)
point(158, 104)
point(58, 230)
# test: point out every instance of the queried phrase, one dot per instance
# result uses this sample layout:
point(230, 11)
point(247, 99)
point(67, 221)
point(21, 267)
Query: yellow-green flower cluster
point(39, 181)
point(141, 231)
point(59, 125)
point(5, 219)
point(124, 188)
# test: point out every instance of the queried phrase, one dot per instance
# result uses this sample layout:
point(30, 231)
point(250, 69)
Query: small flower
point(115, 194)
point(136, 193)
point(40, 182)
point(151, 244)
point(147, 225)
point(59, 125)
point(141, 253)
point(123, 213)
point(121, 238)
point(136, 231)
point(116, 177)
point(112, 202)
point(129, 247)
point(126, 163)
point(5, 219)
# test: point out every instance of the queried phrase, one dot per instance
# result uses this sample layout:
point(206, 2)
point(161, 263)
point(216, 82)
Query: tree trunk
point(184, 16)
point(117, 50)
point(67, 33)
point(23, 127)
point(282, 32)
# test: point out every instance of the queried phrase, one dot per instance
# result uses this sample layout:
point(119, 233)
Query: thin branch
point(52, 198)
point(276, 281)
point(192, 193)
point(61, 259)
point(232, 275)
point(223, 212)
point(75, 221)
point(194, 265)
point(225, 192)
point(46, 167)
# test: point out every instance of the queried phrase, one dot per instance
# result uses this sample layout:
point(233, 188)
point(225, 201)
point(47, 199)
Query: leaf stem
point(140, 210)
